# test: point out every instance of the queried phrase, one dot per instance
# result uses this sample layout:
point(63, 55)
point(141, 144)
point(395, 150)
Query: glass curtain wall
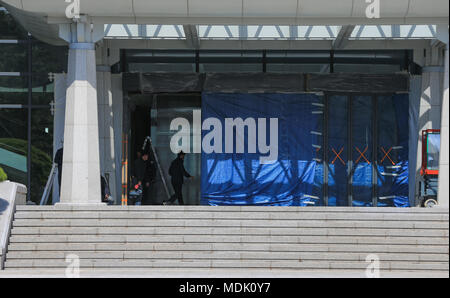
point(27, 69)
point(367, 157)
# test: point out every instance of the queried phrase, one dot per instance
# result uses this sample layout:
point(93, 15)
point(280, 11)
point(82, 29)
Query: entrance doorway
point(151, 115)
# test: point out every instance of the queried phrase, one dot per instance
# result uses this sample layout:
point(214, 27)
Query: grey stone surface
point(443, 191)
point(11, 194)
point(215, 273)
point(299, 239)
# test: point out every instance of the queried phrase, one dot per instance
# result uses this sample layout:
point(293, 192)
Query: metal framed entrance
point(151, 115)
point(355, 138)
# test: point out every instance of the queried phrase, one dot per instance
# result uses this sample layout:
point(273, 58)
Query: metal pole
point(125, 134)
point(30, 97)
point(350, 151)
point(325, 150)
point(374, 151)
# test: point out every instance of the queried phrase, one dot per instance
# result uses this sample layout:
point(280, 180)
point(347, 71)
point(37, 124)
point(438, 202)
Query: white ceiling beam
point(192, 38)
point(305, 21)
point(343, 36)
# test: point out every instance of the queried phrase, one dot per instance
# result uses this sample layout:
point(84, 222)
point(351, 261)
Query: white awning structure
point(270, 32)
point(287, 12)
point(234, 19)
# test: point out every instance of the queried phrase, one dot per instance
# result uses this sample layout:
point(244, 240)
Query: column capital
point(81, 31)
point(82, 46)
point(442, 33)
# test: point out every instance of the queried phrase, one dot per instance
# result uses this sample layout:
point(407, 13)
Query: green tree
point(41, 164)
point(3, 176)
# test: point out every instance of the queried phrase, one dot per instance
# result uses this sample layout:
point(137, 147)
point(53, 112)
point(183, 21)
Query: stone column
point(443, 190)
point(81, 161)
point(58, 123)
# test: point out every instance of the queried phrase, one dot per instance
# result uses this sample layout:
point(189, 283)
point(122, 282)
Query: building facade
point(43, 82)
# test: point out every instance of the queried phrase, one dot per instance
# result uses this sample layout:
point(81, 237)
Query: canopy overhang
point(41, 17)
point(308, 12)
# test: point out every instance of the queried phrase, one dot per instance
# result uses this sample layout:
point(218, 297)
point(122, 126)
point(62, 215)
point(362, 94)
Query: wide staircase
point(287, 238)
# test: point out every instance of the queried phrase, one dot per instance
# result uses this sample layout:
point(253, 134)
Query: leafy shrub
point(3, 176)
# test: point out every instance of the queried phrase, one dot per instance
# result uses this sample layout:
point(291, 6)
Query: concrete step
point(209, 209)
point(119, 238)
point(296, 238)
point(85, 222)
point(224, 273)
point(299, 265)
point(369, 248)
point(373, 232)
point(238, 215)
point(231, 255)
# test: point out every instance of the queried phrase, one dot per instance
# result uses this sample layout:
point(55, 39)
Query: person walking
point(178, 173)
point(141, 175)
point(59, 161)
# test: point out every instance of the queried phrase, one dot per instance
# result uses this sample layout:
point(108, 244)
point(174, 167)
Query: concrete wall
point(109, 94)
point(11, 194)
point(430, 100)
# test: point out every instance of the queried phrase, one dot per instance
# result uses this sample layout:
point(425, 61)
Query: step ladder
point(148, 140)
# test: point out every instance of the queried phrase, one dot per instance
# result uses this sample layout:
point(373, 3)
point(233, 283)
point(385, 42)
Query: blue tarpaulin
point(240, 178)
point(393, 144)
point(296, 177)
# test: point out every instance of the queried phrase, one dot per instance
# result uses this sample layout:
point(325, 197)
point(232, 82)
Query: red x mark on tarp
point(361, 155)
point(338, 155)
point(386, 154)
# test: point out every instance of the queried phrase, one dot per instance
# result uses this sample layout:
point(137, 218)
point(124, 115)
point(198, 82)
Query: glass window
point(337, 151)
point(161, 67)
point(367, 68)
point(49, 59)
point(235, 67)
point(298, 61)
point(13, 144)
point(389, 159)
point(41, 151)
point(13, 57)
point(9, 28)
point(231, 61)
point(301, 68)
point(433, 148)
point(13, 90)
point(43, 90)
point(362, 134)
point(169, 107)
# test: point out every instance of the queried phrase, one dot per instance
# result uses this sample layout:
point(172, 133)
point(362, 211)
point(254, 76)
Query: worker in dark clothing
point(151, 175)
point(59, 161)
point(178, 172)
point(142, 176)
point(106, 193)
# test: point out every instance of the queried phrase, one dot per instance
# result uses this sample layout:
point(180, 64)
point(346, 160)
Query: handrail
point(48, 186)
